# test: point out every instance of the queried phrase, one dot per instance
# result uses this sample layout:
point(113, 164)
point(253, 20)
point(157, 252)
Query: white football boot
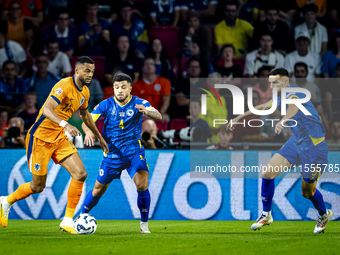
point(67, 225)
point(262, 221)
point(4, 211)
point(144, 228)
point(322, 222)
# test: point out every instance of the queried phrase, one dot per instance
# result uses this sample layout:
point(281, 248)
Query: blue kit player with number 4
point(306, 147)
point(123, 114)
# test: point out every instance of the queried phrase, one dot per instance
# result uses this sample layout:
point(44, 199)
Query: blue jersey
point(309, 130)
point(122, 126)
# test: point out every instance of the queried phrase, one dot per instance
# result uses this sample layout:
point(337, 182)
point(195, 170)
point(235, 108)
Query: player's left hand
point(141, 108)
point(278, 127)
point(89, 139)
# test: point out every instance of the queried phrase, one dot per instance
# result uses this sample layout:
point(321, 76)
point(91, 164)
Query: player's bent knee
point(37, 188)
point(80, 175)
point(307, 194)
point(141, 186)
point(268, 175)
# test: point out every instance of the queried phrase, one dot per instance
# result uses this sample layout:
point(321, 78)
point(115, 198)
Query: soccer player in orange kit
point(46, 139)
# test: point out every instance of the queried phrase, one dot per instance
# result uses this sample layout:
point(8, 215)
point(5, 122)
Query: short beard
point(82, 80)
point(121, 100)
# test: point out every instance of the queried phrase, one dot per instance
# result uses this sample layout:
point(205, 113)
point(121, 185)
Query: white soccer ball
point(85, 224)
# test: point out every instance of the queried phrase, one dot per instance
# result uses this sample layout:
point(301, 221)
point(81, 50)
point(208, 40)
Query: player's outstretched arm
point(88, 121)
point(151, 113)
point(247, 114)
point(49, 113)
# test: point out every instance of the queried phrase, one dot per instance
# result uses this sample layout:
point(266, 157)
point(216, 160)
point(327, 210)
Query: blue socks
point(318, 202)
point(143, 202)
point(267, 193)
point(90, 202)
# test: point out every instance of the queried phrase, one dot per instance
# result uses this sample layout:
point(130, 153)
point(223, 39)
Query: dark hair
point(309, 8)
point(279, 71)
point(14, 2)
point(146, 58)
point(62, 11)
point(265, 34)
point(92, 3)
point(122, 77)
point(41, 55)
point(197, 100)
point(84, 59)
point(194, 58)
point(151, 54)
point(7, 62)
point(231, 2)
point(52, 40)
point(271, 6)
point(228, 45)
point(301, 64)
point(263, 68)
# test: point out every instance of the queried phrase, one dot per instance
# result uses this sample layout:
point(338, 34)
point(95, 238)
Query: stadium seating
point(162, 124)
point(99, 63)
point(169, 38)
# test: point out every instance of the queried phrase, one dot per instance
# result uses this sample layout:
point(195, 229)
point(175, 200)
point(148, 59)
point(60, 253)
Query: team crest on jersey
point(129, 112)
point(113, 112)
point(122, 114)
point(36, 167)
point(59, 91)
point(157, 87)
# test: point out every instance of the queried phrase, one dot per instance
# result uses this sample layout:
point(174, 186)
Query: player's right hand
point(89, 139)
point(103, 145)
point(73, 131)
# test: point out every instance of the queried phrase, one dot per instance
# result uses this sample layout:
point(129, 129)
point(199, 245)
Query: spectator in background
point(133, 28)
point(94, 35)
point(225, 136)
point(124, 58)
point(163, 66)
point(264, 56)
point(332, 58)
point(3, 122)
point(302, 54)
point(201, 128)
point(30, 9)
point(153, 88)
point(62, 32)
point(149, 126)
point(30, 112)
point(180, 102)
point(263, 87)
point(96, 92)
point(276, 28)
point(14, 137)
point(18, 28)
point(317, 32)
point(205, 9)
point(192, 31)
point(287, 9)
point(165, 12)
point(301, 73)
point(60, 64)
point(12, 89)
point(334, 11)
point(42, 81)
point(321, 6)
point(107, 84)
point(233, 30)
point(249, 10)
point(333, 95)
point(12, 51)
point(335, 131)
point(230, 72)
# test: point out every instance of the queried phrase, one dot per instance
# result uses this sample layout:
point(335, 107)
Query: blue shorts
point(111, 169)
point(308, 160)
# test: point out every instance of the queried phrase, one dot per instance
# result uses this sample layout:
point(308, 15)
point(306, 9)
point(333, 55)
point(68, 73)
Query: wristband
point(63, 123)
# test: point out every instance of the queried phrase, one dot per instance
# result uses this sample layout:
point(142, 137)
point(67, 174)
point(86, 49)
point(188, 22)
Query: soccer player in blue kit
point(123, 114)
point(306, 147)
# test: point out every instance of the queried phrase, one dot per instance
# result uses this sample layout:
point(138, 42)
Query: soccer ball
point(85, 224)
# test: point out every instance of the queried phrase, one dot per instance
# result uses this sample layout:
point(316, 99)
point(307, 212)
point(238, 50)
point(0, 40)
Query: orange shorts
point(39, 153)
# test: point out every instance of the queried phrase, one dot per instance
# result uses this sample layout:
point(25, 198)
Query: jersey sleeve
point(147, 105)
point(85, 104)
point(60, 91)
point(98, 111)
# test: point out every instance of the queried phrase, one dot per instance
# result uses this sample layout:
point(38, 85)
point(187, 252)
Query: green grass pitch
point(170, 237)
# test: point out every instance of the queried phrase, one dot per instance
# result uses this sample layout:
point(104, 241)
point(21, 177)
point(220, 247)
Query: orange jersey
point(70, 98)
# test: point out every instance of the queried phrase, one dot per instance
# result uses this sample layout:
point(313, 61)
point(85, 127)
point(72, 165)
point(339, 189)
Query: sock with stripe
point(267, 193)
point(143, 203)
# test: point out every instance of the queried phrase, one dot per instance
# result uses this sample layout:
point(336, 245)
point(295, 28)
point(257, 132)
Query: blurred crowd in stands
point(168, 47)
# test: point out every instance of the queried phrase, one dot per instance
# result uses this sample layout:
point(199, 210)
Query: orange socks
point(73, 197)
point(22, 192)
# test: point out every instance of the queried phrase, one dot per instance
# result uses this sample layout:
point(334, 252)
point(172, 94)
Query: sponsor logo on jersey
point(82, 101)
point(113, 112)
point(59, 91)
point(129, 112)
